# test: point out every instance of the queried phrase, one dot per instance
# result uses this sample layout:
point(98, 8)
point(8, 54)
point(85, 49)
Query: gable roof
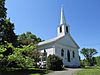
point(50, 41)
point(74, 41)
point(56, 39)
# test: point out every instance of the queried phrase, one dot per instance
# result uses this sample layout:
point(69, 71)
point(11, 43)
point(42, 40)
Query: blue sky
point(41, 17)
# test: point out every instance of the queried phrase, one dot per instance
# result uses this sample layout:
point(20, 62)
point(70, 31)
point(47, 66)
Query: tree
point(34, 54)
point(2, 9)
point(88, 54)
point(11, 56)
point(5, 51)
point(8, 32)
point(97, 60)
point(6, 27)
point(54, 62)
point(2, 16)
point(20, 60)
point(28, 38)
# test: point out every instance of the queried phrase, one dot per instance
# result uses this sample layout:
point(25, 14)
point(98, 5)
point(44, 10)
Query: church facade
point(63, 45)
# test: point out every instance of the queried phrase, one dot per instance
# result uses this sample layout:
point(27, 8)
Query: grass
point(35, 74)
point(89, 71)
point(31, 71)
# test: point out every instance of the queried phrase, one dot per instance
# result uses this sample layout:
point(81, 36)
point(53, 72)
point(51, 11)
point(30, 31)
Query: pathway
point(68, 71)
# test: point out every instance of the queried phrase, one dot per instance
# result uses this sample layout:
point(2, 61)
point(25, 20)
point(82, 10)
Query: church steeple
point(62, 17)
point(63, 28)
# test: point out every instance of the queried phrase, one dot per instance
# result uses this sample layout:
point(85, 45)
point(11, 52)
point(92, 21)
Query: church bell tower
point(63, 28)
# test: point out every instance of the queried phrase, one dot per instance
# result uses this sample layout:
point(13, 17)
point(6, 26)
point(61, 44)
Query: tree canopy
point(7, 31)
point(28, 38)
point(16, 51)
point(6, 27)
point(88, 54)
point(3, 9)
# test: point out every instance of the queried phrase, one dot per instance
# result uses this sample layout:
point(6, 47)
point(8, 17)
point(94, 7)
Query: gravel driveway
point(68, 71)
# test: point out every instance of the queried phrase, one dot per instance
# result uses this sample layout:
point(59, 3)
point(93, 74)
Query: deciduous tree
point(88, 54)
point(28, 38)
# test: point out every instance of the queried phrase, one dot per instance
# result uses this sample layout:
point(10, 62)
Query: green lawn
point(89, 71)
point(35, 74)
point(32, 71)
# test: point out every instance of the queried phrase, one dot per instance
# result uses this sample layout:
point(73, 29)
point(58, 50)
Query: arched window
point(45, 53)
point(62, 52)
point(68, 56)
point(60, 29)
point(73, 54)
point(44, 57)
point(67, 29)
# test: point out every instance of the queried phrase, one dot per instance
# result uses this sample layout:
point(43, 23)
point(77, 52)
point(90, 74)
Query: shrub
point(97, 60)
point(54, 62)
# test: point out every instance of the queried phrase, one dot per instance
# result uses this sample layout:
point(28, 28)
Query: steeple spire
point(63, 28)
point(62, 18)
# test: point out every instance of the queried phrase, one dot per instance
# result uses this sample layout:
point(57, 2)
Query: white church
point(63, 45)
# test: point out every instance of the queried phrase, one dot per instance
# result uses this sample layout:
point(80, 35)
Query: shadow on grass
point(24, 72)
